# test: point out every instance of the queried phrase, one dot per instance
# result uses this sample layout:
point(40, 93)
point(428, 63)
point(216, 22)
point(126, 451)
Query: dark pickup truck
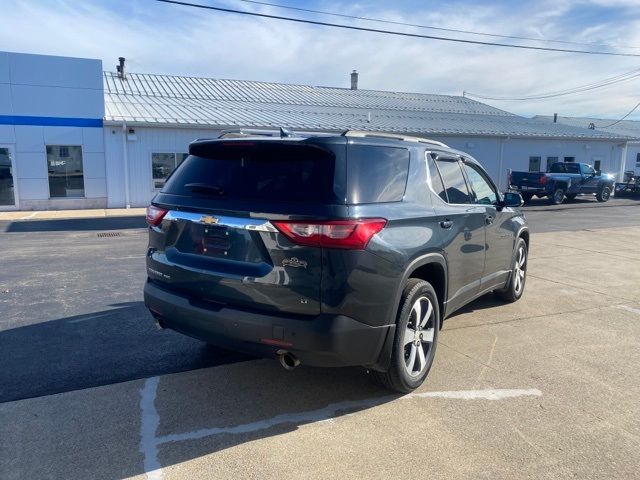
point(563, 180)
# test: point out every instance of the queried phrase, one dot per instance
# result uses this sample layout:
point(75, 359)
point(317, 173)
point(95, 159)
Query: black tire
point(603, 194)
point(526, 196)
point(557, 197)
point(514, 289)
point(571, 196)
point(398, 378)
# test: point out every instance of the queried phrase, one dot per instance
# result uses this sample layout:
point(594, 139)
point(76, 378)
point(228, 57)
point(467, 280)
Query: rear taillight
point(155, 215)
point(543, 179)
point(349, 234)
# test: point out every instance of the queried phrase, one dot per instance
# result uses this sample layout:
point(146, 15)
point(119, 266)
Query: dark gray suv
point(330, 250)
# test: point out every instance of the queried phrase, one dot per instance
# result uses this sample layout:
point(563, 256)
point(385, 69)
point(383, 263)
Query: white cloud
point(159, 38)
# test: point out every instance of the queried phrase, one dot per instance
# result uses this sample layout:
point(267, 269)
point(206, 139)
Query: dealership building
point(75, 136)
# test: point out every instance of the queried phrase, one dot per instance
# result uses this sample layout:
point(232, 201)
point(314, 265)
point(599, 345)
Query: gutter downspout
point(125, 157)
point(500, 162)
point(623, 162)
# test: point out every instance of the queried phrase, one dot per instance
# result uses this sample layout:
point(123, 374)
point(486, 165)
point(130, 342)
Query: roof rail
point(281, 132)
point(406, 138)
point(248, 132)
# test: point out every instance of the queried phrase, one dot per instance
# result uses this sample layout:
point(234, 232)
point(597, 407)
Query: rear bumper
point(324, 341)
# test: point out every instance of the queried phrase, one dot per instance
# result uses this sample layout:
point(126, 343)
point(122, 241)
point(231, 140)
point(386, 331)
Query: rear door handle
point(446, 224)
point(489, 219)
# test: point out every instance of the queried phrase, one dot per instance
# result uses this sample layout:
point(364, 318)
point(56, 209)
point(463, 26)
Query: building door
point(8, 192)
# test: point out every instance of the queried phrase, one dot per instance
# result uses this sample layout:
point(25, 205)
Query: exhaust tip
point(288, 360)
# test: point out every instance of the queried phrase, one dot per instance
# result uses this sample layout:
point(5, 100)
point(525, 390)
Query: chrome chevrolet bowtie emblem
point(209, 220)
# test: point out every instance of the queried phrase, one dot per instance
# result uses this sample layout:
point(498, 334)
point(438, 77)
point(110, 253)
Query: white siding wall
point(632, 163)
point(516, 153)
point(148, 141)
point(515, 156)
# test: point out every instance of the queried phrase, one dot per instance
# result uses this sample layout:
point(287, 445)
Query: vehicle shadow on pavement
point(99, 348)
point(486, 301)
point(207, 411)
point(74, 224)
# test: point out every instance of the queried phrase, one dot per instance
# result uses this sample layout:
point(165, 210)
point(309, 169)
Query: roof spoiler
point(406, 138)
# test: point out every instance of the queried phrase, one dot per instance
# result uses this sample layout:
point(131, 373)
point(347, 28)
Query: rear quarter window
point(376, 174)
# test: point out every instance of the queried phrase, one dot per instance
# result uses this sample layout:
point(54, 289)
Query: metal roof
point(165, 100)
point(629, 128)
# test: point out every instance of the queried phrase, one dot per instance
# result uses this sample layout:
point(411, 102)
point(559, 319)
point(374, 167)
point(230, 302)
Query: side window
point(435, 179)
point(485, 194)
point(573, 168)
point(453, 180)
point(588, 170)
point(534, 164)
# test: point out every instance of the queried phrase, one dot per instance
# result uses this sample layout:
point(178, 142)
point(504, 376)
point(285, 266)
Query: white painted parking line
point(629, 309)
point(29, 216)
point(149, 424)
point(150, 421)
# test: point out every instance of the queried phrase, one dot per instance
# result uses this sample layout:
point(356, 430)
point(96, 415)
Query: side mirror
point(512, 199)
point(598, 172)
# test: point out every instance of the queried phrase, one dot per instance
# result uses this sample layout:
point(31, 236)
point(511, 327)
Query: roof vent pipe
point(354, 80)
point(120, 67)
point(555, 118)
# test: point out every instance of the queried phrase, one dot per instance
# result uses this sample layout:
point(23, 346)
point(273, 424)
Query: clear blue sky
point(171, 39)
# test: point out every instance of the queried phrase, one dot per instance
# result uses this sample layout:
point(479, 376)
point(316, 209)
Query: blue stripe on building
point(50, 121)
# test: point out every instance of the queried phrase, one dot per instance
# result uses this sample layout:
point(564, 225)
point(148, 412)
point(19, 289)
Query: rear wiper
point(206, 189)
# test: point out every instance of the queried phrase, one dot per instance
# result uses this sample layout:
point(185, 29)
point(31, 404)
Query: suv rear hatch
point(212, 237)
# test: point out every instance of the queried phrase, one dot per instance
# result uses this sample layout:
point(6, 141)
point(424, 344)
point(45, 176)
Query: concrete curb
point(70, 214)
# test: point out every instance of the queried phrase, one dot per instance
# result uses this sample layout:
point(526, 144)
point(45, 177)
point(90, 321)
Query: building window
point(66, 175)
point(162, 164)
point(569, 159)
point(551, 161)
point(534, 164)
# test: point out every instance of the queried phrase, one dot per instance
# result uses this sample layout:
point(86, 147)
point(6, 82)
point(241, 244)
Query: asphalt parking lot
point(544, 388)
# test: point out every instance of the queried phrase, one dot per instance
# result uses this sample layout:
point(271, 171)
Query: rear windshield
point(565, 168)
point(376, 174)
point(271, 173)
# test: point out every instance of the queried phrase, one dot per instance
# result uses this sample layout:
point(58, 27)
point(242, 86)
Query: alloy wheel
point(519, 271)
point(419, 336)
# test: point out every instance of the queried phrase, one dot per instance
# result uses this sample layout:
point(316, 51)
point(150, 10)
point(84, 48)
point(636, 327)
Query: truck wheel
point(414, 346)
point(515, 288)
point(557, 197)
point(603, 194)
point(526, 196)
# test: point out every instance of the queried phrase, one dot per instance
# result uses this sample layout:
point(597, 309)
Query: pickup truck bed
point(564, 180)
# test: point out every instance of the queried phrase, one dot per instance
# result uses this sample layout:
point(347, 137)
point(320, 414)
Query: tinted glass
point(558, 168)
point(376, 174)
point(588, 170)
point(534, 164)
point(485, 194)
point(435, 179)
point(453, 180)
point(273, 173)
point(7, 196)
point(573, 168)
point(162, 164)
point(66, 177)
